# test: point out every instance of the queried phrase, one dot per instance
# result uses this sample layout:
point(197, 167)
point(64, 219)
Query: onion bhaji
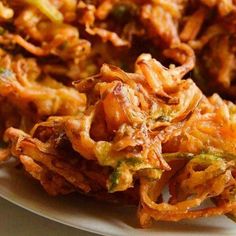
point(119, 99)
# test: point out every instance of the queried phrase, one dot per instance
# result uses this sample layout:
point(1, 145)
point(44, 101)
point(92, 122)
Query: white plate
point(97, 217)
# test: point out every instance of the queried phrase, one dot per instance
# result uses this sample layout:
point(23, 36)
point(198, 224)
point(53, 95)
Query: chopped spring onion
point(48, 9)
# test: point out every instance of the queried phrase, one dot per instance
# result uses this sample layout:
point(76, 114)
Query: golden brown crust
point(131, 123)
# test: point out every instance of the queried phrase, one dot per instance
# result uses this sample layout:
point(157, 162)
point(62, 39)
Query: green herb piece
point(48, 9)
point(163, 118)
point(2, 30)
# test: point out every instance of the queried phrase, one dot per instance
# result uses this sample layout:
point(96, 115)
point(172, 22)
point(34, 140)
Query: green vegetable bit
point(163, 118)
point(122, 176)
point(48, 9)
point(123, 13)
point(5, 74)
point(120, 11)
point(2, 30)
point(114, 179)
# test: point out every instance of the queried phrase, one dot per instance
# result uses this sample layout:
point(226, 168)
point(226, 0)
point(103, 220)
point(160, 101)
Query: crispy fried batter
point(132, 122)
point(141, 117)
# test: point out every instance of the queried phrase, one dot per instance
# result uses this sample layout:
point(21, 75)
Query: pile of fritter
point(118, 100)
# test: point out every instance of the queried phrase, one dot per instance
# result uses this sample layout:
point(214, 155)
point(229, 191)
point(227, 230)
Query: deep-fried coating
point(96, 97)
point(143, 130)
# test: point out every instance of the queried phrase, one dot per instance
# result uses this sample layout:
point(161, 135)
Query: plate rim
point(22, 202)
point(49, 217)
